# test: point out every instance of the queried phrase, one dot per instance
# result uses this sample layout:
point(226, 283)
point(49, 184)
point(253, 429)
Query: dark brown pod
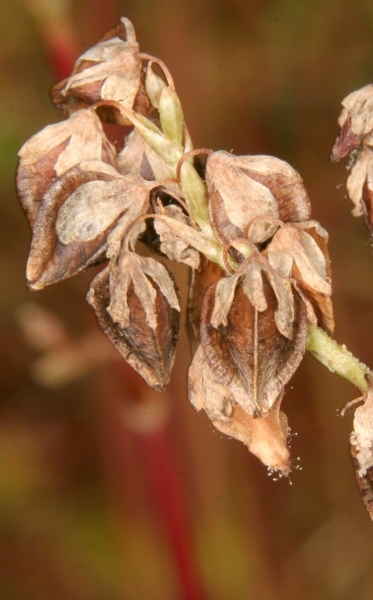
point(249, 355)
point(150, 351)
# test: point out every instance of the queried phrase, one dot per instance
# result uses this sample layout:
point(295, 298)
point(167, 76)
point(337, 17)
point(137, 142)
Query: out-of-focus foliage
point(81, 516)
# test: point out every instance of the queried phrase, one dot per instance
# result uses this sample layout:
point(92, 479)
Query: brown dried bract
point(56, 149)
point(249, 355)
point(147, 331)
point(78, 212)
point(299, 252)
point(264, 436)
point(110, 70)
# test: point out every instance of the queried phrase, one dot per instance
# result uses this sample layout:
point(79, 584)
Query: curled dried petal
point(110, 70)
point(235, 199)
point(56, 149)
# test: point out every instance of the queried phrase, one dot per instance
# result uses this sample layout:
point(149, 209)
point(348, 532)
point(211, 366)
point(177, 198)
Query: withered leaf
point(249, 355)
point(54, 150)
point(51, 258)
point(110, 70)
point(265, 436)
point(149, 351)
point(235, 199)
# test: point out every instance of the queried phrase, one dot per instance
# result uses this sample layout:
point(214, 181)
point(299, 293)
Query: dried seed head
point(245, 348)
point(264, 436)
point(110, 70)
point(299, 252)
point(56, 149)
point(138, 311)
point(355, 121)
point(242, 188)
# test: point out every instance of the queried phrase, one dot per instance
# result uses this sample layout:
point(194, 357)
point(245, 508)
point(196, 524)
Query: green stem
point(337, 358)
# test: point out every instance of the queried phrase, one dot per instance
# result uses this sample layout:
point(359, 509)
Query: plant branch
point(337, 358)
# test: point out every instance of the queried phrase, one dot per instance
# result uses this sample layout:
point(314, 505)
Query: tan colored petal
point(291, 245)
point(171, 245)
point(110, 70)
point(235, 198)
point(54, 150)
point(285, 184)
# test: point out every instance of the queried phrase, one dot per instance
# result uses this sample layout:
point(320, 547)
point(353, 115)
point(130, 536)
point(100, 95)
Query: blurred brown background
point(111, 492)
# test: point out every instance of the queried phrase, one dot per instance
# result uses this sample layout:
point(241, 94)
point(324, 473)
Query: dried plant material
point(148, 345)
point(284, 183)
point(235, 199)
point(361, 445)
point(56, 149)
point(292, 246)
point(264, 436)
point(250, 273)
point(68, 239)
point(138, 158)
point(143, 273)
point(94, 206)
point(171, 245)
point(249, 355)
point(355, 121)
point(207, 274)
point(300, 252)
point(110, 70)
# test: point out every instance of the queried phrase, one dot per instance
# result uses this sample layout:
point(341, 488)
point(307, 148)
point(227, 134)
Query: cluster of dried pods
point(260, 266)
point(356, 139)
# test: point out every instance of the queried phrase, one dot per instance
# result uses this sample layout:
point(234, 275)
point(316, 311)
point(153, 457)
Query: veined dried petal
point(50, 258)
point(149, 350)
point(110, 70)
point(143, 272)
point(249, 355)
point(265, 436)
point(251, 273)
point(56, 149)
point(94, 206)
point(292, 246)
point(173, 246)
point(235, 198)
point(285, 184)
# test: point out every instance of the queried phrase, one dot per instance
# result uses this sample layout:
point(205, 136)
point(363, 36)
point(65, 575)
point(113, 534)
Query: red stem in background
point(123, 389)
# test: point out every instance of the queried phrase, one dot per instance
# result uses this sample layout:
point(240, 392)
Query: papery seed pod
point(249, 355)
point(361, 445)
point(300, 252)
point(76, 216)
point(56, 149)
point(244, 187)
point(201, 279)
point(110, 70)
point(264, 436)
point(137, 308)
point(355, 121)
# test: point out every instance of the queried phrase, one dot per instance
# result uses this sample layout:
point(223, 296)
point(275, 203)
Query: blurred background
point(108, 490)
